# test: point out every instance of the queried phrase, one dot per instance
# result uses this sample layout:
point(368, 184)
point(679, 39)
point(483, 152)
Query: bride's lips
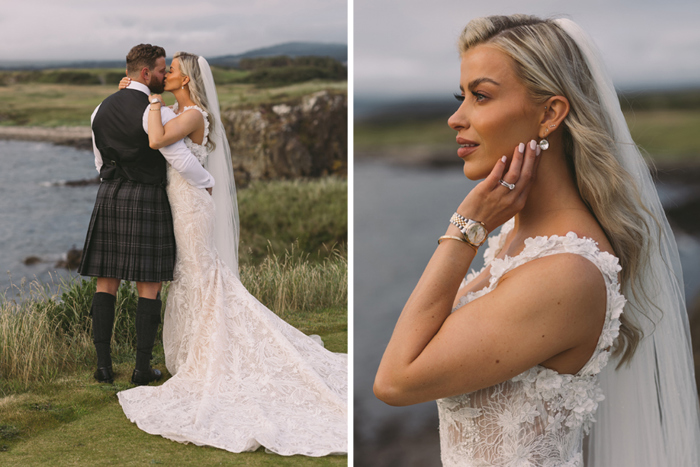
point(466, 147)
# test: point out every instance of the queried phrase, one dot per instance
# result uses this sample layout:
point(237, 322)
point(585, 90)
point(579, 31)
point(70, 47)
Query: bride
point(516, 354)
point(242, 377)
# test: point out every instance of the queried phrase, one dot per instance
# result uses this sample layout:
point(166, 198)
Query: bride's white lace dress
point(242, 377)
point(539, 417)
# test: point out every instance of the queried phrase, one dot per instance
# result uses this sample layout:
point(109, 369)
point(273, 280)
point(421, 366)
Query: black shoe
point(104, 375)
point(141, 378)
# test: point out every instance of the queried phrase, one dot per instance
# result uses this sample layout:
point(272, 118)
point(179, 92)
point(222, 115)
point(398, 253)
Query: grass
point(52, 105)
point(301, 216)
point(53, 413)
point(669, 135)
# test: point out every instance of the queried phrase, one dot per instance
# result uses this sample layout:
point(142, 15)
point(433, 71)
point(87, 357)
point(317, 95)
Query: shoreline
point(79, 137)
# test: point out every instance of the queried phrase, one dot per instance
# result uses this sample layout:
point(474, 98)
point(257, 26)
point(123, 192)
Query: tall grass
point(292, 283)
point(33, 346)
point(45, 334)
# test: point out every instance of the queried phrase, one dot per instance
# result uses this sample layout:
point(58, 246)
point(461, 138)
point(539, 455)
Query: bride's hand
point(493, 202)
point(125, 81)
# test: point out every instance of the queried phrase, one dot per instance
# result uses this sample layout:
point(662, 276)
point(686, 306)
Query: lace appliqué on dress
point(539, 417)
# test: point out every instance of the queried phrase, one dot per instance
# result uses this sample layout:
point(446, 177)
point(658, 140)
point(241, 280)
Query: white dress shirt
point(177, 154)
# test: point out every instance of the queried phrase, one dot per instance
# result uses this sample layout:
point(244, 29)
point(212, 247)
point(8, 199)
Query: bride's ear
point(556, 108)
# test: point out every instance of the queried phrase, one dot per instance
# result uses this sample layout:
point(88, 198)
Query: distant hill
point(292, 49)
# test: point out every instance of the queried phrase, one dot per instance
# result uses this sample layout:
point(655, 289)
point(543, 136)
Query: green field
point(51, 105)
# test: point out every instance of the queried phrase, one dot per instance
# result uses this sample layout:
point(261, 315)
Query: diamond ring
point(510, 186)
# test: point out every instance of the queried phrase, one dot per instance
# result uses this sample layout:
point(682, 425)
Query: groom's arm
point(98, 155)
point(180, 157)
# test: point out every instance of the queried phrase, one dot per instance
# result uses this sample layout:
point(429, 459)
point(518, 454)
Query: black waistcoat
point(123, 144)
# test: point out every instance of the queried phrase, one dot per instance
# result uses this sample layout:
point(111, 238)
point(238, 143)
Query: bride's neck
point(553, 191)
point(183, 98)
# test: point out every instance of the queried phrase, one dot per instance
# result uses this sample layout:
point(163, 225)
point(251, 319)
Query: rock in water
point(30, 260)
point(72, 259)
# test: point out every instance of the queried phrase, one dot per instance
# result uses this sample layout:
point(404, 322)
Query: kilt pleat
point(130, 235)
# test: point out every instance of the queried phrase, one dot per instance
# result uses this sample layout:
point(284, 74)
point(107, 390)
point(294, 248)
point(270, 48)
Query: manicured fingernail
point(521, 148)
point(504, 159)
point(533, 144)
point(538, 151)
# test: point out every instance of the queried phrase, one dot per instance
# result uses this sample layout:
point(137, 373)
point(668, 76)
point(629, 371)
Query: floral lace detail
point(242, 377)
point(539, 417)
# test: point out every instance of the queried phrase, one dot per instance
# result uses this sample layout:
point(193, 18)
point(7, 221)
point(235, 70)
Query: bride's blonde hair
point(549, 63)
point(189, 66)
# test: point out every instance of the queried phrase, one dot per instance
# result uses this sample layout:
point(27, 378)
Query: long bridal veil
point(226, 229)
point(650, 415)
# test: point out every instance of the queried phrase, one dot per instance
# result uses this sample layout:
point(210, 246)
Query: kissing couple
point(166, 210)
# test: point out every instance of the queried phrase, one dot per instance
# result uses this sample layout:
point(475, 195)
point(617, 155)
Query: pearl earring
point(544, 143)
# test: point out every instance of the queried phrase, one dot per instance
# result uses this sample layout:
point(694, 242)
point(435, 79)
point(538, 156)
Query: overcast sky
point(408, 47)
point(101, 29)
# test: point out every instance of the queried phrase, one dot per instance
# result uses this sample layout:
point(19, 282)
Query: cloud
point(644, 44)
point(83, 30)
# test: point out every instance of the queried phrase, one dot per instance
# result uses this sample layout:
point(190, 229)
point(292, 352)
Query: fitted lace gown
point(539, 417)
point(242, 377)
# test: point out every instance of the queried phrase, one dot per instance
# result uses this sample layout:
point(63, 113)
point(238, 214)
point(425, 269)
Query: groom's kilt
point(131, 234)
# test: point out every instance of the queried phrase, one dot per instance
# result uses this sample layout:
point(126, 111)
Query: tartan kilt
point(130, 236)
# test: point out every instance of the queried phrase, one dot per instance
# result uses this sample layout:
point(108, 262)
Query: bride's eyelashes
point(478, 97)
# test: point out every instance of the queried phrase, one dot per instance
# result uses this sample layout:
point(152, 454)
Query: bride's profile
point(241, 377)
point(572, 344)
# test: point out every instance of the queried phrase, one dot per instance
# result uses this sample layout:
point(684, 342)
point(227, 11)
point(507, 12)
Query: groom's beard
point(156, 87)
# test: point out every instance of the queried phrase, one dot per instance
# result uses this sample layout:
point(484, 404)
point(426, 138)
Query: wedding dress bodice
point(539, 417)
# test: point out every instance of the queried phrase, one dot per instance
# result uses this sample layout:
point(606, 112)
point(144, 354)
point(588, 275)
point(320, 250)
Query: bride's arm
point(526, 320)
point(176, 129)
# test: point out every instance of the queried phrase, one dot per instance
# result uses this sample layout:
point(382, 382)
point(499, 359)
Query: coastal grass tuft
point(291, 282)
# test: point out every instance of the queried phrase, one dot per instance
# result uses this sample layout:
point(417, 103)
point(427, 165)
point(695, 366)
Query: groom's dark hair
point(143, 55)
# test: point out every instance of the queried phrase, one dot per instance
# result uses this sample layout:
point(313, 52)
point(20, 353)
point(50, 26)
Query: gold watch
point(474, 232)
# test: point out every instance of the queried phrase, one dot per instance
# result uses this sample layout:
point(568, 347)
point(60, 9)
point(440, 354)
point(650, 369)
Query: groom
point(131, 235)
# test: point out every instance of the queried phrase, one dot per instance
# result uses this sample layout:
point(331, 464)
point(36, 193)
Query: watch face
point(476, 233)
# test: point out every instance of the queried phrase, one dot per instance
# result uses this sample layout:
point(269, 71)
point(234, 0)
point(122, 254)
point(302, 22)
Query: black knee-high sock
point(102, 322)
point(147, 321)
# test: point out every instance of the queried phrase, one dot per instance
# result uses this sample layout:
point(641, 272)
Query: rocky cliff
point(306, 138)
